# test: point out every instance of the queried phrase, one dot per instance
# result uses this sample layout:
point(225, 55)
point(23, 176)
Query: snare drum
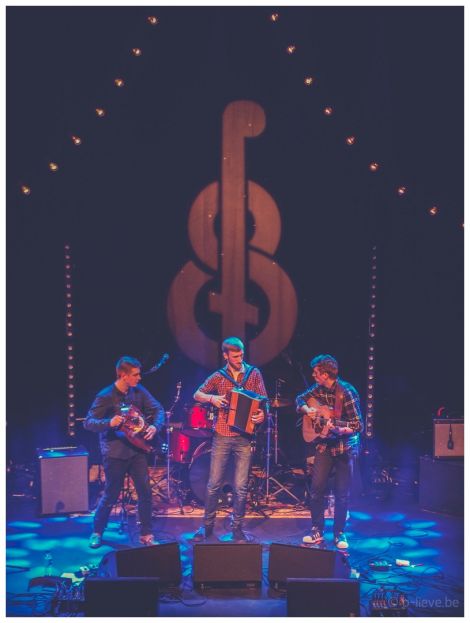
point(199, 421)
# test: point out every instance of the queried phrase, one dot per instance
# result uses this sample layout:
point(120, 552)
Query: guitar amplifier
point(448, 439)
point(243, 404)
point(63, 475)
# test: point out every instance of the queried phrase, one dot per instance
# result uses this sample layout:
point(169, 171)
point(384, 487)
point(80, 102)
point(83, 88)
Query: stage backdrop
point(223, 186)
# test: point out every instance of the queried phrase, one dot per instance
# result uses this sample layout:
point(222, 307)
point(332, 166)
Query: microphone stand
point(168, 415)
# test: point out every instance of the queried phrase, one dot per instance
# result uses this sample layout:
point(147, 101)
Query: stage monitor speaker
point(448, 439)
point(322, 597)
point(154, 561)
point(441, 485)
point(227, 563)
point(293, 561)
point(63, 476)
point(120, 597)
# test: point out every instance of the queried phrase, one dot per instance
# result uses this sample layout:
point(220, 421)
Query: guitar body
point(316, 427)
point(134, 427)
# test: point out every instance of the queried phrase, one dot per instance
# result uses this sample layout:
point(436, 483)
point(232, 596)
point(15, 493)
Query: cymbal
point(279, 403)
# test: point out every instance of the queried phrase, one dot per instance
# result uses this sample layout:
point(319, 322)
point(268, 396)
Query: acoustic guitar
point(316, 426)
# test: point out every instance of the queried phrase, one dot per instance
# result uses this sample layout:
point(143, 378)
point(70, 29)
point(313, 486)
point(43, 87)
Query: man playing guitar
point(332, 418)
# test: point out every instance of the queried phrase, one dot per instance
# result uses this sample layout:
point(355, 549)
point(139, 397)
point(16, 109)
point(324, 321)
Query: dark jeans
point(322, 466)
point(222, 448)
point(115, 471)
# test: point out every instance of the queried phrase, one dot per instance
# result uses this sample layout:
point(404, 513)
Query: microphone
point(158, 365)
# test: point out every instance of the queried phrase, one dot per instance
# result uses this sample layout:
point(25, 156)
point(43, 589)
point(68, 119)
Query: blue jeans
point(322, 467)
point(115, 471)
point(222, 448)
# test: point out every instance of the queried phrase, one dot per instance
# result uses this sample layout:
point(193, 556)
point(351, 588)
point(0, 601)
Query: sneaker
point(203, 533)
point(341, 541)
point(147, 539)
point(95, 540)
point(314, 536)
point(239, 535)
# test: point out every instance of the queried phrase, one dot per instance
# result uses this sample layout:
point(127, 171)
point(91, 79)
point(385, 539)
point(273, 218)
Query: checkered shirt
point(218, 384)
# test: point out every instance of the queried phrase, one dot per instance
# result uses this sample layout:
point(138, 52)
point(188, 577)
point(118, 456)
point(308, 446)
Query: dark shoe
point(239, 535)
point(204, 532)
point(95, 540)
point(148, 539)
point(341, 541)
point(313, 537)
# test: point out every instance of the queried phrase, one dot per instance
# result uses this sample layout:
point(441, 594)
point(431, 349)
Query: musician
point(216, 391)
point(337, 449)
point(120, 456)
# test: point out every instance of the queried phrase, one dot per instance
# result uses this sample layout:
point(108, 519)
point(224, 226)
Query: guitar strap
point(339, 399)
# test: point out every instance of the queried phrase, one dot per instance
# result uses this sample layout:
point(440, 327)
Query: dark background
point(394, 76)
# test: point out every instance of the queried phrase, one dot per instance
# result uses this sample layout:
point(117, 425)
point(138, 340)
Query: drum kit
point(186, 447)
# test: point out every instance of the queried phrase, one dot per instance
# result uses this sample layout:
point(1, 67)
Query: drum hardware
point(168, 415)
point(199, 421)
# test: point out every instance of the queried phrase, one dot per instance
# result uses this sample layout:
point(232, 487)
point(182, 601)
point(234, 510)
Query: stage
point(378, 531)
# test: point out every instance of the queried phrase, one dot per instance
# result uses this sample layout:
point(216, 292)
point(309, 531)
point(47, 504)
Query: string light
point(70, 376)
point(100, 112)
point(76, 140)
point(136, 51)
point(328, 111)
point(152, 20)
point(433, 211)
point(290, 49)
point(274, 17)
point(308, 81)
point(26, 190)
point(119, 82)
point(374, 166)
point(350, 140)
point(401, 190)
point(53, 166)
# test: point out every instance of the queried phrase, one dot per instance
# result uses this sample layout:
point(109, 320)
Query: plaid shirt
point(218, 384)
point(351, 411)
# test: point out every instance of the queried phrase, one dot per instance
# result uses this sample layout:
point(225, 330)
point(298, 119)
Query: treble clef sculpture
point(233, 260)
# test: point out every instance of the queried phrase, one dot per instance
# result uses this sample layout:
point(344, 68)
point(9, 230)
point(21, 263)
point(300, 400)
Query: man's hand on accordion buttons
point(257, 417)
point(219, 401)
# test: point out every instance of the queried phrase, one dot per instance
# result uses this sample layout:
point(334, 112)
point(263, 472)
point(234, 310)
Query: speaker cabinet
point(448, 439)
point(120, 597)
point(292, 561)
point(218, 564)
point(441, 485)
point(322, 597)
point(63, 476)
point(155, 561)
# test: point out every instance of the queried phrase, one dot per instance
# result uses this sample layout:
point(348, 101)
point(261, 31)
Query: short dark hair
point(232, 343)
point(326, 364)
point(125, 365)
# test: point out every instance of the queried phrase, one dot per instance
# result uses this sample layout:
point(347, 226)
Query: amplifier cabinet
point(448, 439)
point(441, 485)
point(63, 476)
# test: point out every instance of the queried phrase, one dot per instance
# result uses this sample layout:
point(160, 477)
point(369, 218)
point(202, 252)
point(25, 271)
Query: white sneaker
point(314, 536)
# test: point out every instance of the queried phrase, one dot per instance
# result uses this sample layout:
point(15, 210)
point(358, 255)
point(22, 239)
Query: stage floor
point(377, 531)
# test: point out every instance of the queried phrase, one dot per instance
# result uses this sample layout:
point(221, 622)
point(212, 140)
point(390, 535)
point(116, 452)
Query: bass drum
point(199, 473)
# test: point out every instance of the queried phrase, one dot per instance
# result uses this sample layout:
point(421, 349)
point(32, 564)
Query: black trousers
point(115, 471)
point(322, 467)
